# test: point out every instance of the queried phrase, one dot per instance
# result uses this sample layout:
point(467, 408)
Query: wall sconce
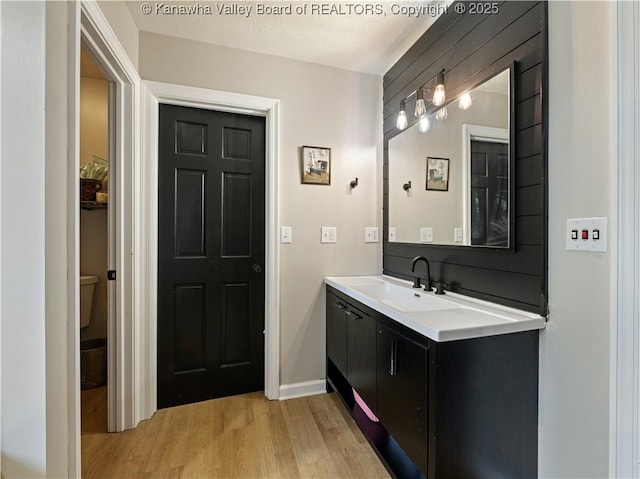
point(464, 103)
point(401, 122)
point(439, 95)
point(421, 109)
point(354, 183)
point(407, 186)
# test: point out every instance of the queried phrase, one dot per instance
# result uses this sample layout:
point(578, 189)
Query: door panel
point(489, 193)
point(211, 234)
point(402, 392)
point(190, 213)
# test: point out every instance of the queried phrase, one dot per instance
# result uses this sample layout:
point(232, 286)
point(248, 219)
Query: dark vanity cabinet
point(457, 409)
point(351, 346)
point(402, 391)
point(337, 332)
point(361, 355)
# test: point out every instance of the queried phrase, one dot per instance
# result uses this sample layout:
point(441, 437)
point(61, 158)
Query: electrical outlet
point(426, 235)
point(457, 235)
point(329, 234)
point(371, 234)
point(286, 235)
point(392, 233)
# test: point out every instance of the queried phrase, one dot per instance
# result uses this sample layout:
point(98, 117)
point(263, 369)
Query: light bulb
point(438, 95)
point(424, 125)
point(401, 122)
point(464, 103)
point(421, 108)
point(442, 114)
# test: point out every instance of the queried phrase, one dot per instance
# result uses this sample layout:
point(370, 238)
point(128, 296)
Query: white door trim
point(90, 28)
point(624, 438)
point(474, 132)
point(231, 102)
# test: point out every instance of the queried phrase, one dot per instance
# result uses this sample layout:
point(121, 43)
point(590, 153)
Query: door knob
point(256, 268)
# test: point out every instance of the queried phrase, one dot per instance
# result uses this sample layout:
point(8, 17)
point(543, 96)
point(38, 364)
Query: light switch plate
point(371, 234)
point(426, 235)
point(590, 244)
point(392, 233)
point(329, 234)
point(286, 235)
point(457, 235)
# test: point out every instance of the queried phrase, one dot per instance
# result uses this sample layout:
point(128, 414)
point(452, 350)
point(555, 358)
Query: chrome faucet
point(416, 279)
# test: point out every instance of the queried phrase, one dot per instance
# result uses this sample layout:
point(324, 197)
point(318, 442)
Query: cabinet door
point(337, 332)
point(402, 392)
point(361, 355)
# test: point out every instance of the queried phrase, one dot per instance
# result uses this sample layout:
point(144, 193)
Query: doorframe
point(624, 415)
point(483, 133)
point(156, 93)
point(89, 28)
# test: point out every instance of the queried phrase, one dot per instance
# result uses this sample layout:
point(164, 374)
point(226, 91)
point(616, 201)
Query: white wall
point(574, 356)
point(60, 242)
point(22, 203)
point(122, 24)
point(320, 106)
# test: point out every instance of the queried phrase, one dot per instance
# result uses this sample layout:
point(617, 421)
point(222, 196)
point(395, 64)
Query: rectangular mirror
point(452, 184)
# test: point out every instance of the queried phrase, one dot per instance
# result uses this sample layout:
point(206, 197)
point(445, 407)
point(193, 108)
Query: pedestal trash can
point(93, 363)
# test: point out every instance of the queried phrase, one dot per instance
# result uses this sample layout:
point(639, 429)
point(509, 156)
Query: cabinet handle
point(353, 315)
point(341, 305)
point(394, 365)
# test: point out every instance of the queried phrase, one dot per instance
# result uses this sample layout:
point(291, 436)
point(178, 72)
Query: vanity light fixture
point(439, 95)
point(354, 183)
point(464, 103)
point(424, 125)
point(421, 109)
point(442, 114)
point(401, 122)
point(407, 186)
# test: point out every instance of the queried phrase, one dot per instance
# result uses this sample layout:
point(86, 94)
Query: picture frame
point(437, 174)
point(316, 165)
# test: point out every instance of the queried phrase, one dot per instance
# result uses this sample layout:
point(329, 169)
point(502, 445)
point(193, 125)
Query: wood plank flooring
point(244, 436)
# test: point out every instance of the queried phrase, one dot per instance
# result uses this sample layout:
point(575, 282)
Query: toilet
point(87, 286)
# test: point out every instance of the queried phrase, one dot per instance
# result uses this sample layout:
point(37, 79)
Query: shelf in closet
point(92, 205)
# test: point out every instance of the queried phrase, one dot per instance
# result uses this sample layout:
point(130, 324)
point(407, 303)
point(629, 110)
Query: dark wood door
point(211, 253)
point(361, 355)
point(489, 193)
point(402, 392)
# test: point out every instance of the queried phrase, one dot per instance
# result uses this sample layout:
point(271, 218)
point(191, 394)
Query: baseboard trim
point(306, 388)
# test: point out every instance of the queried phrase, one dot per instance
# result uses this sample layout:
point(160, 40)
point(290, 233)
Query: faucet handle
point(416, 282)
point(440, 287)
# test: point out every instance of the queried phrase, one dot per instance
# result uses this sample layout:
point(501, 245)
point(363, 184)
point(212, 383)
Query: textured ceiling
point(341, 35)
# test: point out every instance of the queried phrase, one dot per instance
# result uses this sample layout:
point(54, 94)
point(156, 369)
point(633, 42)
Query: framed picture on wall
point(437, 174)
point(316, 165)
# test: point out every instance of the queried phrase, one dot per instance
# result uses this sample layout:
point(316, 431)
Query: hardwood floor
point(244, 436)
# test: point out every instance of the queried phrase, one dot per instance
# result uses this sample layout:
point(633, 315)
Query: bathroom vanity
point(453, 380)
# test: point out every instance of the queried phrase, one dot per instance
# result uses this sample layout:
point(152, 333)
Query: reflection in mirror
point(459, 172)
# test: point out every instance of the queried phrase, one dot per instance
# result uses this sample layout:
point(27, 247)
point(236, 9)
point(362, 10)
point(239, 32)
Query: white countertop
point(448, 317)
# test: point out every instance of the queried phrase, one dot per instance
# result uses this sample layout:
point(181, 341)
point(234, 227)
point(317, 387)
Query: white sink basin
point(404, 299)
point(441, 318)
